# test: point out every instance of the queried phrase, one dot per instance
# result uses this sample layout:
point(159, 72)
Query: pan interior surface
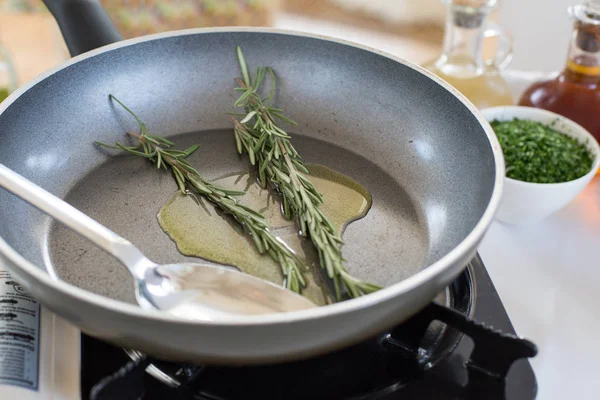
point(127, 192)
point(420, 152)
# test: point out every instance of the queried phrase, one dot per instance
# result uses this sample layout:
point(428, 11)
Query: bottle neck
point(462, 54)
point(583, 63)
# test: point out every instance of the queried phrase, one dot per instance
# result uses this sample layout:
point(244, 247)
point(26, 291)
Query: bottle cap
point(587, 15)
point(587, 12)
point(470, 13)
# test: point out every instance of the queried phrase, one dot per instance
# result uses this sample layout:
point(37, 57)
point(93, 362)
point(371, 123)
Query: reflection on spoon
point(202, 292)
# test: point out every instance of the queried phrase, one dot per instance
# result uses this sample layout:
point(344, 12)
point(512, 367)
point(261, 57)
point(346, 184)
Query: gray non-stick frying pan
point(431, 163)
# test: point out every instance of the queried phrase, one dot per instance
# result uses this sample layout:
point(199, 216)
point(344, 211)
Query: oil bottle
point(575, 92)
point(462, 63)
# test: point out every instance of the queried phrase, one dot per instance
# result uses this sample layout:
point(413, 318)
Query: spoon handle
point(58, 209)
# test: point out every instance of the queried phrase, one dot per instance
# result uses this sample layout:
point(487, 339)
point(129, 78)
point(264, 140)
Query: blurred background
point(542, 33)
point(412, 29)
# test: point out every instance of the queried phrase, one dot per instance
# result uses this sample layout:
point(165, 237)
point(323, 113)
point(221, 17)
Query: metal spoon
point(190, 290)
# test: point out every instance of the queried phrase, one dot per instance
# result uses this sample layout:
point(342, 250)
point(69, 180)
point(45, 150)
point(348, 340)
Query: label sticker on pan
point(19, 335)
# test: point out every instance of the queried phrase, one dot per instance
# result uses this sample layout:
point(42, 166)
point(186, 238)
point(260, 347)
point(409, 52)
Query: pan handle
point(84, 24)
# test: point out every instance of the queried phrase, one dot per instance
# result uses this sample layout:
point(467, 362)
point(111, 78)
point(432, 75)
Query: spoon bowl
point(205, 292)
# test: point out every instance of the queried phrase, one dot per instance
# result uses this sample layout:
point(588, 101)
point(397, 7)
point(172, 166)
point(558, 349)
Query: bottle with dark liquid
point(575, 93)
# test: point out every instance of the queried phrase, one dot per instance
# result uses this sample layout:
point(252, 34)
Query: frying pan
point(430, 161)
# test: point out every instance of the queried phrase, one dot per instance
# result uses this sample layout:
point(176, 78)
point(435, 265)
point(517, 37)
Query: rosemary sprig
point(268, 145)
point(160, 151)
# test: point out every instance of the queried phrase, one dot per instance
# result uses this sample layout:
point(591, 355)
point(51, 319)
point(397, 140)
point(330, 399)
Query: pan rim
point(349, 306)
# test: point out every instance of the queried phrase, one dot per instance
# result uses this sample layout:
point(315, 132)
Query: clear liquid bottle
point(575, 92)
point(462, 63)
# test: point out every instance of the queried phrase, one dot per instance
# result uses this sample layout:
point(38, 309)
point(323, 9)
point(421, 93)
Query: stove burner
point(392, 364)
point(432, 342)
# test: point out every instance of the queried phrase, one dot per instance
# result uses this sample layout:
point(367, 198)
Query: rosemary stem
point(267, 145)
point(160, 151)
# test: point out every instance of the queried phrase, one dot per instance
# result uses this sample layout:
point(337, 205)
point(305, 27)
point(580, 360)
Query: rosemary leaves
point(160, 151)
point(268, 146)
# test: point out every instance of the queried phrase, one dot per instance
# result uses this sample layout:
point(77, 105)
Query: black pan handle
point(84, 24)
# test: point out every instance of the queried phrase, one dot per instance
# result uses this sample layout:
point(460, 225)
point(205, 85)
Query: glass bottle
point(575, 92)
point(462, 63)
point(8, 77)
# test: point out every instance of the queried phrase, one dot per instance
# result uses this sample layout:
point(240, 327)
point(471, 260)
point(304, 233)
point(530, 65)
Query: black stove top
point(438, 354)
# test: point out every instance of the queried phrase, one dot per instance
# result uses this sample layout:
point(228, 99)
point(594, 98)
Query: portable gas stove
point(441, 353)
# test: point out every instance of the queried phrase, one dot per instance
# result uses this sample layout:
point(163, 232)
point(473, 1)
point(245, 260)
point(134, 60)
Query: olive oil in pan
point(199, 230)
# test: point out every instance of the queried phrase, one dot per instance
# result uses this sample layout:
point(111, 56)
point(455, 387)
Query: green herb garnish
point(4, 93)
point(268, 146)
point(160, 151)
point(537, 153)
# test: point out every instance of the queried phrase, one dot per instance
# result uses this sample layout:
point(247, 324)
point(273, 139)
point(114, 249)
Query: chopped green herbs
point(535, 152)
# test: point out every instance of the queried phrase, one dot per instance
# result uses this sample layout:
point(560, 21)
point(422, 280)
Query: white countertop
point(548, 275)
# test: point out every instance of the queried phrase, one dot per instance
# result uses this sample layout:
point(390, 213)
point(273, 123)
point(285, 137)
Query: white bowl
point(525, 203)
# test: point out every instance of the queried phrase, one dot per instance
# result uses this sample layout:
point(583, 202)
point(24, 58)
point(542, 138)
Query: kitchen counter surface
point(548, 276)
